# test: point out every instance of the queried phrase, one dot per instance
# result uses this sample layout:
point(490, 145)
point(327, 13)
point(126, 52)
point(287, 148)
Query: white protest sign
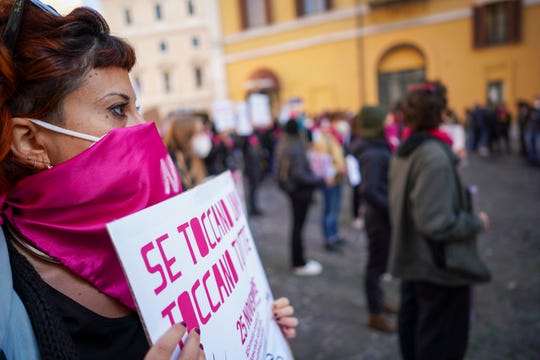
point(353, 170)
point(223, 114)
point(192, 258)
point(284, 114)
point(238, 179)
point(259, 110)
point(243, 125)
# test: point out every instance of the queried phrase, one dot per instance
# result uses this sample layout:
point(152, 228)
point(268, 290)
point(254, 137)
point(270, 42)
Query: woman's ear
point(27, 145)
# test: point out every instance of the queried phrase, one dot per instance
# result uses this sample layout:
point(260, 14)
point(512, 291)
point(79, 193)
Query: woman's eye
point(119, 110)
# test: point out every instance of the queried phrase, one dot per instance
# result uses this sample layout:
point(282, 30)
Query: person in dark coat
point(292, 164)
point(250, 147)
point(373, 153)
point(434, 233)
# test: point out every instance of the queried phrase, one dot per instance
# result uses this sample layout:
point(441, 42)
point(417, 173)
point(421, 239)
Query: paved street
point(332, 307)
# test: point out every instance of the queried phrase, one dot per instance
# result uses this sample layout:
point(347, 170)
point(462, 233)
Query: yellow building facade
point(341, 54)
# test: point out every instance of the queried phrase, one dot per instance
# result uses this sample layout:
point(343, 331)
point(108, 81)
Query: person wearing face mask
point(188, 144)
point(75, 154)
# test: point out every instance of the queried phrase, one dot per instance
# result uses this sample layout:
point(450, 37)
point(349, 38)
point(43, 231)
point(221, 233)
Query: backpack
point(284, 180)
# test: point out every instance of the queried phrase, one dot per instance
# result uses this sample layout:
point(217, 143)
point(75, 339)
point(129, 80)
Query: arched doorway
point(399, 67)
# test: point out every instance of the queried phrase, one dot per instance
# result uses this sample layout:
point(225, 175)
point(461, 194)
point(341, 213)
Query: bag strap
point(284, 168)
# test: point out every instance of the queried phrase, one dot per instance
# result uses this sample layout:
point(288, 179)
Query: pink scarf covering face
point(63, 210)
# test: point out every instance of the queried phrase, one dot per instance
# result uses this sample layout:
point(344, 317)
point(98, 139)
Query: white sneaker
point(312, 268)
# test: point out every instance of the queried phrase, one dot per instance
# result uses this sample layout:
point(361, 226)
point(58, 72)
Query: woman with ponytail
point(75, 154)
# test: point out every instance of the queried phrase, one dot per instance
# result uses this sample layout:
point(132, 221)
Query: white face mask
point(343, 128)
point(201, 144)
point(61, 130)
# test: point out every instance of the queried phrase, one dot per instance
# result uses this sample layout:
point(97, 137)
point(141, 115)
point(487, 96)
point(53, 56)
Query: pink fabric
point(391, 133)
point(63, 210)
point(436, 133)
point(253, 140)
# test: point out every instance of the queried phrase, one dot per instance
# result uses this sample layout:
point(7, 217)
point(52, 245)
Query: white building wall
point(176, 29)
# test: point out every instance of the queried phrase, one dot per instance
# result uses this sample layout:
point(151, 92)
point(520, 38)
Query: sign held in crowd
point(192, 258)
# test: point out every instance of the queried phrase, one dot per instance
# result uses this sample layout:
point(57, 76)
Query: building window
point(308, 7)
point(163, 46)
point(157, 9)
point(166, 76)
point(127, 16)
point(497, 23)
point(195, 42)
point(254, 13)
point(400, 66)
point(190, 8)
point(198, 77)
point(393, 85)
point(495, 92)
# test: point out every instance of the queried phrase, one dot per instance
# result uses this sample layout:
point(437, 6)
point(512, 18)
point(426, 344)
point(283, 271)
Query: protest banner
point(192, 258)
point(223, 115)
point(259, 110)
point(243, 125)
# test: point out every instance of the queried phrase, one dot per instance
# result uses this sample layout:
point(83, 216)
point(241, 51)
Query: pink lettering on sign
point(243, 324)
point(200, 235)
point(200, 239)
point(168, 263)
point(242, 247)
point(235, 204)
point(187, 312)
point(205, 296)
point(205, 221)
point(196, 234)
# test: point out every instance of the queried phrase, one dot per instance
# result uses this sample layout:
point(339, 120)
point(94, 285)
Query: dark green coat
point(430, 203)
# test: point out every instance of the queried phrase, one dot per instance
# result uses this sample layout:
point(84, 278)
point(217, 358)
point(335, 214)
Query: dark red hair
point(52, 56)
point(423, 106)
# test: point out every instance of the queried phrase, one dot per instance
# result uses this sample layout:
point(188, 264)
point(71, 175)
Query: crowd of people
point(417, 213)
point(407, 156)
point(528, 120)
point(489, 128)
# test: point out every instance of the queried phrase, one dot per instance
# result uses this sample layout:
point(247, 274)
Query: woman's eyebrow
point(122, 95)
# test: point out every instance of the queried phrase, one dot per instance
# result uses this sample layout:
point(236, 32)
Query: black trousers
point(433, 321)
point(300, 204)
point(378, 231)
point(356, 201)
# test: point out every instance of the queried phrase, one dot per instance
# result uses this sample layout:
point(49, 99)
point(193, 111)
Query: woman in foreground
point(75, 154)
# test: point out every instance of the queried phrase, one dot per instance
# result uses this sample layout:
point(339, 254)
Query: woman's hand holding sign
point(282, 311)
point(165, 346)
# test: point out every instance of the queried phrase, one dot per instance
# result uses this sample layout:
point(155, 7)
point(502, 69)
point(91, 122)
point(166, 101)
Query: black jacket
point(374, 157)
point(290, 150)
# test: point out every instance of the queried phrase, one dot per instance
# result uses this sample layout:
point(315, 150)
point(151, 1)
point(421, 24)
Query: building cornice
point(296, 24)
point(337, 36)
point(163, 29)
point(348, 35)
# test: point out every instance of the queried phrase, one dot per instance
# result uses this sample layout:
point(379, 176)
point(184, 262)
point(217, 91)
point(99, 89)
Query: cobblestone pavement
point(332, 307)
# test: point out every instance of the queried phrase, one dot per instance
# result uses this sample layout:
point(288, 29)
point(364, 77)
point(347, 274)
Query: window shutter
point(514, 21)
point(243, 14)
point(477, 26)
point(268, 10)
point(299, 8)
point(329, 4)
